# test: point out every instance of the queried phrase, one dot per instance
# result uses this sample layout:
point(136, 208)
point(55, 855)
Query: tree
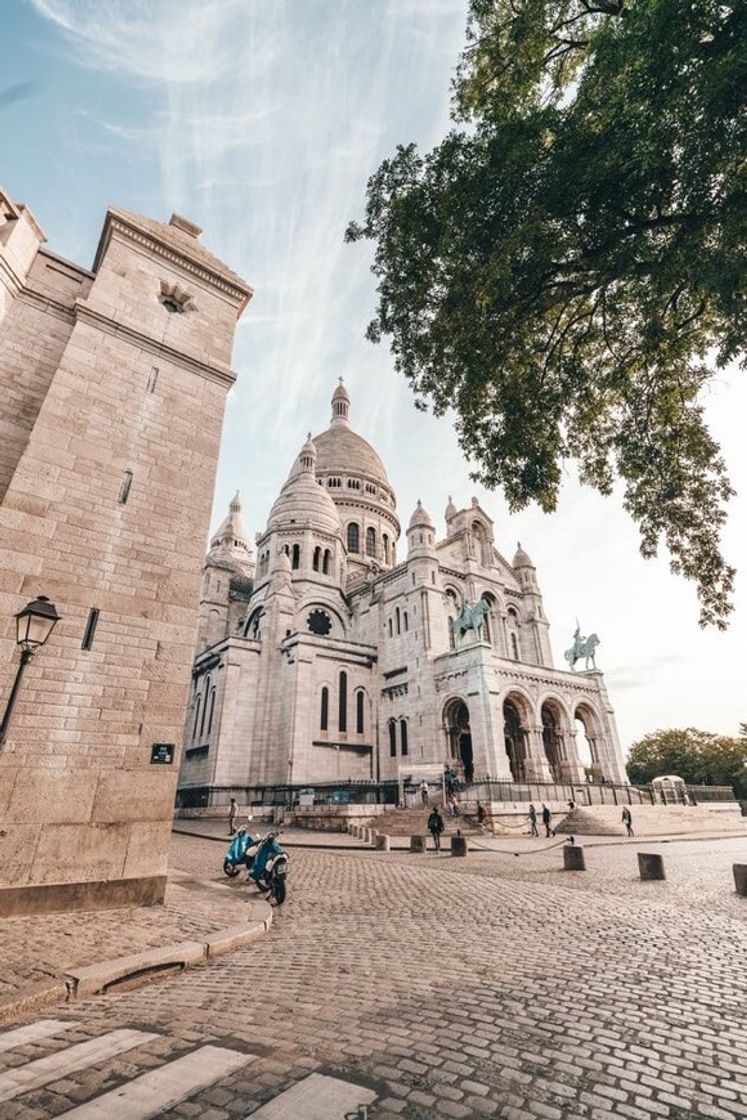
point(699, 757)
point(566, 268)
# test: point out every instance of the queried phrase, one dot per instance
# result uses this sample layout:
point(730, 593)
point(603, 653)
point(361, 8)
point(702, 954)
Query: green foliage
point(699, 757)
point(567, 266)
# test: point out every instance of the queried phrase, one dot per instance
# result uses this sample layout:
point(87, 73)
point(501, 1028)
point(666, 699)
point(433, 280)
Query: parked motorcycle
point(269, 867)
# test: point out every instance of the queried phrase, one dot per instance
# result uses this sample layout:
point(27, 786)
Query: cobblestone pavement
point(491, 986)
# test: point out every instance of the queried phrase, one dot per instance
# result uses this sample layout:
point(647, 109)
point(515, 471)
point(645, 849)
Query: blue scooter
point(269, 867)
point(264, 859)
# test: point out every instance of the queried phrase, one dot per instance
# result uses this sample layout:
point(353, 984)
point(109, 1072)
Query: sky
point(261, 120)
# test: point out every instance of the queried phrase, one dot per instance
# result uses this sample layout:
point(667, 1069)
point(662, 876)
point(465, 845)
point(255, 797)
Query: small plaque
point(162, 754)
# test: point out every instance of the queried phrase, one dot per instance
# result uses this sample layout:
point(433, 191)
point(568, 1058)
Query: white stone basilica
point(328, 658)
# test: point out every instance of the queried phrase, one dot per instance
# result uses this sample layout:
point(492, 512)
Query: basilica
point(324, 654)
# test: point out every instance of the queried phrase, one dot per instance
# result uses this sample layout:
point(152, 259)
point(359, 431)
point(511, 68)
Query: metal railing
point(387, 793)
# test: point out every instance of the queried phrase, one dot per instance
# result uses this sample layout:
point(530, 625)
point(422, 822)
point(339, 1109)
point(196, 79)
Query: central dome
point(342, 451)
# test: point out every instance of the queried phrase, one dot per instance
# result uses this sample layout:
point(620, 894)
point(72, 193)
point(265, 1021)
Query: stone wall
point(136, 389)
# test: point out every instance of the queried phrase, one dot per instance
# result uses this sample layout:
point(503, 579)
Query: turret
point(227, 574)
point(535, 622)
point(340, 405)
point(421, 534)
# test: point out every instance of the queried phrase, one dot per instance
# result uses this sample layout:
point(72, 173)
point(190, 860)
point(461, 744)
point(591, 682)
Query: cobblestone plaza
point(491, 986)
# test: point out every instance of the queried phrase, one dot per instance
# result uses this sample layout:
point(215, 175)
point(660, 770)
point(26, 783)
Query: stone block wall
point(138, 392)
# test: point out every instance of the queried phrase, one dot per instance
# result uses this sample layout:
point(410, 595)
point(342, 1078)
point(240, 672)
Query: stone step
point(652, 820)
point(413, 822)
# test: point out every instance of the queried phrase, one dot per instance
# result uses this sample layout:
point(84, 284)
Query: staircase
point(653, 820)
point(413, 822)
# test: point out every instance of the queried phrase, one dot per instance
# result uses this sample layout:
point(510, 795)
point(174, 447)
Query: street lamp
point(34, 624)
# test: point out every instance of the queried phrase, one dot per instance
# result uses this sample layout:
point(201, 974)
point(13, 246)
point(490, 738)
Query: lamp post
point(34, 624)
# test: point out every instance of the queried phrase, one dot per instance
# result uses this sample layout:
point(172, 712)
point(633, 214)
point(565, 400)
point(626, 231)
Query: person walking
point(436, 827)
point(424, 792)
point(533, 821)
point(453, 806)
point(546, 818)
point(627, 819)
point(482, 814)
point(232, 812)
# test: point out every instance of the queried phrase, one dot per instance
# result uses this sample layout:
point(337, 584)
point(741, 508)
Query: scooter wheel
point(230, 869)
point(278, 891)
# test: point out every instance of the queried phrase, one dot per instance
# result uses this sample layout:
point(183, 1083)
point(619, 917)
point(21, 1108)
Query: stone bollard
point(459, 845)
point(651, 866)
point(366, 835)
point(417, 843)
point(573, 858)
point(740, 878)
point(382, 842)
point(373, 834)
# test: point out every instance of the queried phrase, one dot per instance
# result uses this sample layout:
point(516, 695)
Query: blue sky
point(261, 120)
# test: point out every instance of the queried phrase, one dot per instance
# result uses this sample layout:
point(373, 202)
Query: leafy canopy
point(699, 757)
point(566, 268)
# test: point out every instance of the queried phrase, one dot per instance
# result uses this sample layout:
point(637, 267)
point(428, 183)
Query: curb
point(123, 973)
point(225, 840)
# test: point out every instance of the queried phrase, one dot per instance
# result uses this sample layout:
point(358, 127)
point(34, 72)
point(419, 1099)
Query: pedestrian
point(546, 818)
point(232, 811)
point(436, 827)
point(453, 806)
point(424, 792)
point(627, 819)
point(533, 820)
point(482, 814)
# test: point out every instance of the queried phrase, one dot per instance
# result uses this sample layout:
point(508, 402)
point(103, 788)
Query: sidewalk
point(36, 951)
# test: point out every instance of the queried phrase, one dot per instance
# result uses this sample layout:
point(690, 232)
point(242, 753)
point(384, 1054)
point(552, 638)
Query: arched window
point(353, 537)
point(514, 640)
point(405, 622)
point(211, 709)
point(393, 738)
point(325, 562)
point(205, 706)
point(296, 561)
point(316, 558)
point(398, 620)
point(391, 629)
point(195, 725)
point(385, 544)
point(403, 736)
point(370, 542)
point(324, 715)
point(342, 718)
point(360, 700)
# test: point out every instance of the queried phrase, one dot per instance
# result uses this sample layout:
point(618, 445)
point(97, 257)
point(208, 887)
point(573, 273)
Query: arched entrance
point(515, 740)
point(552, 739)
point(456, 722)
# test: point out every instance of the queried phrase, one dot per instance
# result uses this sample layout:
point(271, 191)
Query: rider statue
point(582, 647)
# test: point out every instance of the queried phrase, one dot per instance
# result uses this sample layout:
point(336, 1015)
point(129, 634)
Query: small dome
point(451, 510)
point(341, 392)
point(420, 518)
point(302, 502)
point(522, 559)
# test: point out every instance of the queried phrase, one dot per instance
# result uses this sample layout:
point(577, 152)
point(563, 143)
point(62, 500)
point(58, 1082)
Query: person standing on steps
point(533, 821)
point(436, 827)
point(627, 819)
point(232, 811)
point(424, 792)
point(546, 818)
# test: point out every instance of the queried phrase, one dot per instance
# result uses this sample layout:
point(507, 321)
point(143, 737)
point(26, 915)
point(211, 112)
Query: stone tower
point(113, 386)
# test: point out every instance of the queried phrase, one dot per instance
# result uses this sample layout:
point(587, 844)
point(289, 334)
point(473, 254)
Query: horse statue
point(470, 618)
point(582, 647)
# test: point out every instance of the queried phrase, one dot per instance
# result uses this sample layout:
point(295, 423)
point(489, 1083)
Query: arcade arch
point(459, 737)
point(517, 720)
point(588, 737)
point(553, 737)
